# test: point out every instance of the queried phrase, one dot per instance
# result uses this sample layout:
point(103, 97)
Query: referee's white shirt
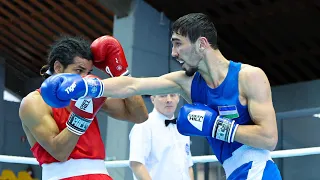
point(163, 150)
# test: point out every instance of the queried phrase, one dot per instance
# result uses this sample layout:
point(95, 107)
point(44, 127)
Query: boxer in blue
point(230, 102)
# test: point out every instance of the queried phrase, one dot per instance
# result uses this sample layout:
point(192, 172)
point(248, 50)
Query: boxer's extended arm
point(108, 56)
point(123, 87)
point(139, 170)
point(36, 116)
point(132, 109)
point(264, 133)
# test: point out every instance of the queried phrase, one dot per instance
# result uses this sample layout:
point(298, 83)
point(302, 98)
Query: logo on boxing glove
point(224, 129)
point(93, 84)
point(119, 67)
point(85, 105)
point(71, 88)
point(78, 123)
point(196, 119)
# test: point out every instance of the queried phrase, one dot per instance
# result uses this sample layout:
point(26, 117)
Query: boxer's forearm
point(256, 136)
point(63, 144)
point(140, 171)
point(136, 108)
point(124, 86)
point(118, 87)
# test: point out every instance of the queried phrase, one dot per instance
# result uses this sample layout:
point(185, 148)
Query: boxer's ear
point(202, 43)
point(58, 68)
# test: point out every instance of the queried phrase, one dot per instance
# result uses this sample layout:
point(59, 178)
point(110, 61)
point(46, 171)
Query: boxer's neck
point(214, 68)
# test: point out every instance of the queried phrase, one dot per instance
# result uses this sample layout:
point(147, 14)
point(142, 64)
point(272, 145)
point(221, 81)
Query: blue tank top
point(225, 100)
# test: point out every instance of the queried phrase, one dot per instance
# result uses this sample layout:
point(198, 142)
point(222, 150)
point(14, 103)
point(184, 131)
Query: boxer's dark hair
point(65, 49)
point(195, 25)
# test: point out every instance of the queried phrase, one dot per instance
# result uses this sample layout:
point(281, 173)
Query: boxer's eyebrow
point(81, 67)
point(175, 39)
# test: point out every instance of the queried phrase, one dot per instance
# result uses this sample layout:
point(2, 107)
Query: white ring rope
point(196, 159)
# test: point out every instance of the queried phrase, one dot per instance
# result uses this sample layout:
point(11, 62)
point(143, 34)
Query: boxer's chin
point(190, 72)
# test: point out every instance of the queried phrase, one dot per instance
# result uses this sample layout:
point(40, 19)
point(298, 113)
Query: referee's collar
point(160, 116)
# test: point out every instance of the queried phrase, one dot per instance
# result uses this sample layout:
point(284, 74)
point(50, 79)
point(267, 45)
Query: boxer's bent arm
point(123, 87)
point(137, 111)
point(36, 116)
point(132, 109)
point(264, 133)
point(139, 170)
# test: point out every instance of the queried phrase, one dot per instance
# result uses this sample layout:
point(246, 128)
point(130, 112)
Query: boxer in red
point(66, 141)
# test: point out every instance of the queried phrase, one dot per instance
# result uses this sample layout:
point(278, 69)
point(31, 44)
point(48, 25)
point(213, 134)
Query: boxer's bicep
point(115, 108)
point(35, 115)
point(122, 87)
point(165, 84)
point(260, 104)
point(263, 115)
point(255, 87)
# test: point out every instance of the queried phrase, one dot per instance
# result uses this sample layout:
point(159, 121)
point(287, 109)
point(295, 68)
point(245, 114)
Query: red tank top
point(89, 146)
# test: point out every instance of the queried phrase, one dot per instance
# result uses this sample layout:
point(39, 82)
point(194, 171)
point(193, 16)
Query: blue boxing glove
point(58, 90)
point(200, 120)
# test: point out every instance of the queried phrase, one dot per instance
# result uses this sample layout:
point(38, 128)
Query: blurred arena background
point(280, 36)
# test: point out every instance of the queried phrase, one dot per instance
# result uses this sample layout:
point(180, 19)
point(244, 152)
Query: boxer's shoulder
point(32, 97)
point(33, 103)
point(252, 78)
point(245, 68)
point(250, 73)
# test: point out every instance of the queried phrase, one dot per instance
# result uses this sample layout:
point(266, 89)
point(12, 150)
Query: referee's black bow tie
point(173, 121)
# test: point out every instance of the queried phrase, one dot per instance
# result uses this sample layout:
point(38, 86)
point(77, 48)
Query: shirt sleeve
point(190, 161)
point(140, 143)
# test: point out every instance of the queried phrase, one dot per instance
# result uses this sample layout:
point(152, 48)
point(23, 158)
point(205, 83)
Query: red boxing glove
point(83, 112)
point(109, 57)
